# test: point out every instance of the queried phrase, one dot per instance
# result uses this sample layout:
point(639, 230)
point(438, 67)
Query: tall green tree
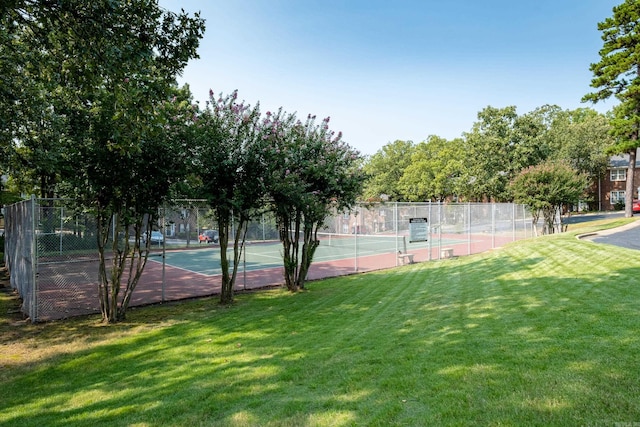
point(151, 156)
point(489, 149)
point(531, 145)
point(434, 171)
point(617, 74)
point(581, 138)
point(126, 104)
point(29, 124)
point(231, 166)
point(98, 84)
point(501, 144)
point(385, 168)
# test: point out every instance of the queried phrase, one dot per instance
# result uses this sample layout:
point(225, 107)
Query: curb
point(610, 231)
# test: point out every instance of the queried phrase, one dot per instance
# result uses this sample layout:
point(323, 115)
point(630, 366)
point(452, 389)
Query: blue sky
point(402, 69)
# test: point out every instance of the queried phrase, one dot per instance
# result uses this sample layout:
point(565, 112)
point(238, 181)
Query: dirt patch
point(10, 303)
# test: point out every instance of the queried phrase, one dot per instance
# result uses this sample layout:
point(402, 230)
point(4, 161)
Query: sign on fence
point(418, 230)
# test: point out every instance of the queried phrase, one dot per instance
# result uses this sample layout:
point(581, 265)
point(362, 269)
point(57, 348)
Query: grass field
point(544, 332)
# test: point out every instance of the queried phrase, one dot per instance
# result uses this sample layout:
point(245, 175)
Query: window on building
point(616, 196)
point(618, 174)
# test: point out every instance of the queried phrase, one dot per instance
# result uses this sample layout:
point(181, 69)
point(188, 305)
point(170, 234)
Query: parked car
point(636, 206)
point(156, 237)
point(209, 236)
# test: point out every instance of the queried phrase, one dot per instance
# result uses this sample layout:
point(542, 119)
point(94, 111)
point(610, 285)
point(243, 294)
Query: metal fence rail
point(51, 247)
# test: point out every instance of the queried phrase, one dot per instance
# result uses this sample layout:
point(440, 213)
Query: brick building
point(610, 192)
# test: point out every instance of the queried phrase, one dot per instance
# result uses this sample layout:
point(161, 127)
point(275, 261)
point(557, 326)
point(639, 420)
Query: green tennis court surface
point(263, 255)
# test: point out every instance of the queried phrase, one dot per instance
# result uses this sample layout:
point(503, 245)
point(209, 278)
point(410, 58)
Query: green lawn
point(544, 332)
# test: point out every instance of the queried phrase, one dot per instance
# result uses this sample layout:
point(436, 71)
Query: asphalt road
point(575, 219)
point(627, 236)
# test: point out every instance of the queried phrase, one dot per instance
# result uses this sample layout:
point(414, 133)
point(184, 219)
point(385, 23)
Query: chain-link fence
point(51, 248)
point(19, 251)
point(452, 229)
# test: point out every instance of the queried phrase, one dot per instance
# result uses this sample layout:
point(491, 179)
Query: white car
point(156, 237)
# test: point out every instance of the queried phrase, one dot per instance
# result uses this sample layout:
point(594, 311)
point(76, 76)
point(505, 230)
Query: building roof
point(622, 160)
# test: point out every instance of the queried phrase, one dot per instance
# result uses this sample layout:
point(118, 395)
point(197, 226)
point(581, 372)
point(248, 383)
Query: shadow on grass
point(497, 339)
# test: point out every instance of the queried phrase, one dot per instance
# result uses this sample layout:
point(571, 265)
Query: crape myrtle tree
point(126, 187)
point(311, 173)
point(118, 64)
point(618, 74)
point(546, 187)
point(231, 168)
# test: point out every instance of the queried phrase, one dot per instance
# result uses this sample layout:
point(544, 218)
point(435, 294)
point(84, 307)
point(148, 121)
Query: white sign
point(418, 230)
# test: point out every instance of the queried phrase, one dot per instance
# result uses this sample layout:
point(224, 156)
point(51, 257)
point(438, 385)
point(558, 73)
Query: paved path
point(627, 236)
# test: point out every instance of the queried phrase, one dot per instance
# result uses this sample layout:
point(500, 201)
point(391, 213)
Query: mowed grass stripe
point(543, 332)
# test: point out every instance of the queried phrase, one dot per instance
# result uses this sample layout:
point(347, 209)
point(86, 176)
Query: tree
point(26, 98)
point(311, 172)
point(618, 74)
point(501, 144)
point(546, 187)
point(126, 199)
point(385, 168)
point(489, 147)
point(104, 75)
point(531, 144)
point(132, 109)
point(433, 172)
point(231, 167)
point(581, 138)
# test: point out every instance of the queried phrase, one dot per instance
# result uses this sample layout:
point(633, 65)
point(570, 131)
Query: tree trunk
point(290, 239)
point(113, 303)
point(297, 256)
point(549, 219)
point(289, 265)
point(309, 247)
point(136, 258)
point(238, 247)
point(103, 279)
point(535, 216)
point(628, 195)
point(226, 291)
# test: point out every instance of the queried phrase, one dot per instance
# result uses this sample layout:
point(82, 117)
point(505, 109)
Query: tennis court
point(333, 248)
point(55, 268)
point(195, 272)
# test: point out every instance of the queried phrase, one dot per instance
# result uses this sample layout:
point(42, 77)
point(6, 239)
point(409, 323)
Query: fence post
point(513, 222)
point(164, 246)
point(469, 228)
point(395, 226)
point(493, 225)
point(34, 263)
point(430, 245)
point(440, 219)
point(355, 240)
point(61, 225)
